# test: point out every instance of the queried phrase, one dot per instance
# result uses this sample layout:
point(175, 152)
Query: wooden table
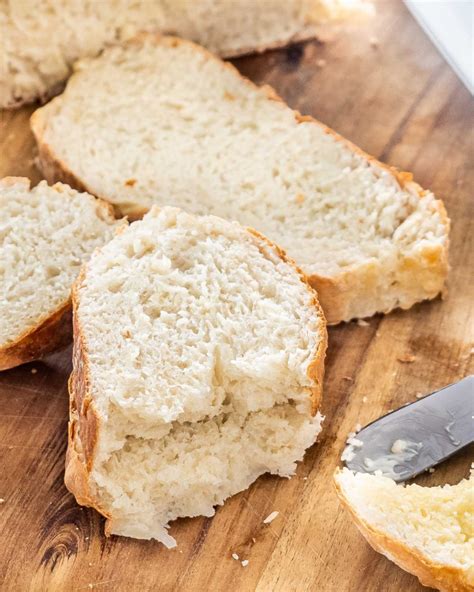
point(385, 87)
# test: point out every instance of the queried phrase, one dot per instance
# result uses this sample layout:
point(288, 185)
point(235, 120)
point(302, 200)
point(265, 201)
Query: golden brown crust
point(54, 330)
point(340, 295)
point(50, 334)
point(441, 577)
point(84, 421)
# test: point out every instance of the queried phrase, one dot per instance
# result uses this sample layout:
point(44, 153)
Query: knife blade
point(416, 437)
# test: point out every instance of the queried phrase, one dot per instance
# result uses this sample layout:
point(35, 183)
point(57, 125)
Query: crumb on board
point(254, 540)
point(271, 517)
point(245, 562)
point(130, 182)
point(431, 470)
point(374, 42)
point(34, 370)
point(406, 358)
point(419, 395)
point(305, 478)
point(362, 323)
point(321, 63)
point(364, 399)
point(235, 556)
point(2, 501)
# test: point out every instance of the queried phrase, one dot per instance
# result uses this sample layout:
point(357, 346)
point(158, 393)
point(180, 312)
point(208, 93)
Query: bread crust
point(84, 420)
point(352, 293)
point(53, 332)
point(430, 574)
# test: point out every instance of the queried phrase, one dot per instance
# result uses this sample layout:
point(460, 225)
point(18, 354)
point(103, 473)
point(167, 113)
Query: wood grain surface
point(385, 87)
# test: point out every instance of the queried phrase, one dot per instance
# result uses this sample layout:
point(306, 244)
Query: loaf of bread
point(46, 233)
point(427, 531)
point(198, 362)
point(40, 39)
point(160, 120)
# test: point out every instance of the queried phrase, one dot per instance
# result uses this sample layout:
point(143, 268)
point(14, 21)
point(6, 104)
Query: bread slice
point(198, 362)
point(46, 233)
point(427, 531)
point(161, 120)
point(41, 39)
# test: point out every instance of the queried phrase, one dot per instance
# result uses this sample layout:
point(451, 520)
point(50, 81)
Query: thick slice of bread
point(198, 362)
point(40, 39)
point(46, 233)
point(161, 120)
point(427, 531)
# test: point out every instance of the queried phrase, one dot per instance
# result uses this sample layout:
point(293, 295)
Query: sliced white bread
point(40, 39)
point(46, 233)
point(198, 363)
point(427, 531)
point(161, 120)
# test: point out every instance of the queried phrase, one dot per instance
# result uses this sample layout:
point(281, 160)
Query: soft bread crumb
point(362, 323)
point(235, 556)
point(245, 562)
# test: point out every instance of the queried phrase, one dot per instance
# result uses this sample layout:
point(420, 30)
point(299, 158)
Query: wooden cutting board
point(386, 88)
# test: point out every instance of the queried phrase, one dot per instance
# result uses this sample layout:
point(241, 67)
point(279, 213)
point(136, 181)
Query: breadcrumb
point(235, 556)
point(34, 371)
point(321, 63)
point(271, 517)
point(245, 562)
point(406, 358)
point(2, 501)
point(362, 323)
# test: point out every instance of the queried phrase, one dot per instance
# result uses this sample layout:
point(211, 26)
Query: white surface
point(449, 24)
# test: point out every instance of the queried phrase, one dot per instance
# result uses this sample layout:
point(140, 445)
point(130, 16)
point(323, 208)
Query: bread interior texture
point(437, 522)
point(200, 339)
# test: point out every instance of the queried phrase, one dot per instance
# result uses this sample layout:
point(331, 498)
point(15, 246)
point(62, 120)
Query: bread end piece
point(432, 575)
